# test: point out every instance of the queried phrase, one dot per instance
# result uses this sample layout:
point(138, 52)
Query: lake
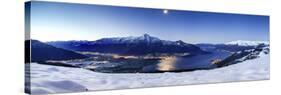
point(165, 64)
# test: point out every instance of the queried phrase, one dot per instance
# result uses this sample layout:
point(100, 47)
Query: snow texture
point(247, 43)
point(54, 79)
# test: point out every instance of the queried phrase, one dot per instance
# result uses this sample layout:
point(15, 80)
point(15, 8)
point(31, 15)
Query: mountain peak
point(180, 42)
point(146, 35)
point(147, 38)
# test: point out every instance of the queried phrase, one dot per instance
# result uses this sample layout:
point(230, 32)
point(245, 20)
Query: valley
point(179, 63)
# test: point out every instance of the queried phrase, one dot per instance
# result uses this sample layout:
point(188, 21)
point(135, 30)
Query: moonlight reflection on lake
point(167, 64)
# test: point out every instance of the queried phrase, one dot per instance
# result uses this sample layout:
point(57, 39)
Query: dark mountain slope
point(42, 52)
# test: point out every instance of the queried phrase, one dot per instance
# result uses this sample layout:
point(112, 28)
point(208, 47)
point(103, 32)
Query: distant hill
point(42, 52)
point(247, 43)
point(234, 46)
point(141, 45)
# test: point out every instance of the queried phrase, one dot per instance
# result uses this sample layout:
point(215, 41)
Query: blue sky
point(65, 21)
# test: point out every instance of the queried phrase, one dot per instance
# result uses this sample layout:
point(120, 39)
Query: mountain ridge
point(247, 43)
point(43, 52)
point(139, 45)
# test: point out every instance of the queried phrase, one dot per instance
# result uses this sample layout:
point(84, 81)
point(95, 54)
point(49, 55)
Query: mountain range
point(247, 43)
point(141, 45)
point(234, 46)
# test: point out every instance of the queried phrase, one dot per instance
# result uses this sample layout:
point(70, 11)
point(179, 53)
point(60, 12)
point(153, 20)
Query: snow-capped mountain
point(129, 40)
point(244, 55)
point(234, 46)
point(144, 44)
point(255, 53)
point(247, 43)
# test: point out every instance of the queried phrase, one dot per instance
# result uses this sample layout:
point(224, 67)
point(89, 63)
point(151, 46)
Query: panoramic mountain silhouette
point(235, 46)
point(141, 45)
point(42, 52)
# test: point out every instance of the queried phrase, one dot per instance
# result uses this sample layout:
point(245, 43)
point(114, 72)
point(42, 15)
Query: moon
point(165, 11)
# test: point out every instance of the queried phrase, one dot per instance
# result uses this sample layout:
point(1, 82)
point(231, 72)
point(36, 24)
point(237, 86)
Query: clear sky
point(65, 21)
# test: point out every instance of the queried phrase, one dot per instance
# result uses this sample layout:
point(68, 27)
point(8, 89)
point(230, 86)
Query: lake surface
point(187, 63)
point(167, 64)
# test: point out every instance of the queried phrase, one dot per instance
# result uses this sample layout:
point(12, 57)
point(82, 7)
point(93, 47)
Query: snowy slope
point(53, 79)
point(247, 43)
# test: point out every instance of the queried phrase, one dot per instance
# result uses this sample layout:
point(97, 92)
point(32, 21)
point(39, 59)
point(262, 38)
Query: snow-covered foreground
point(54, 79)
